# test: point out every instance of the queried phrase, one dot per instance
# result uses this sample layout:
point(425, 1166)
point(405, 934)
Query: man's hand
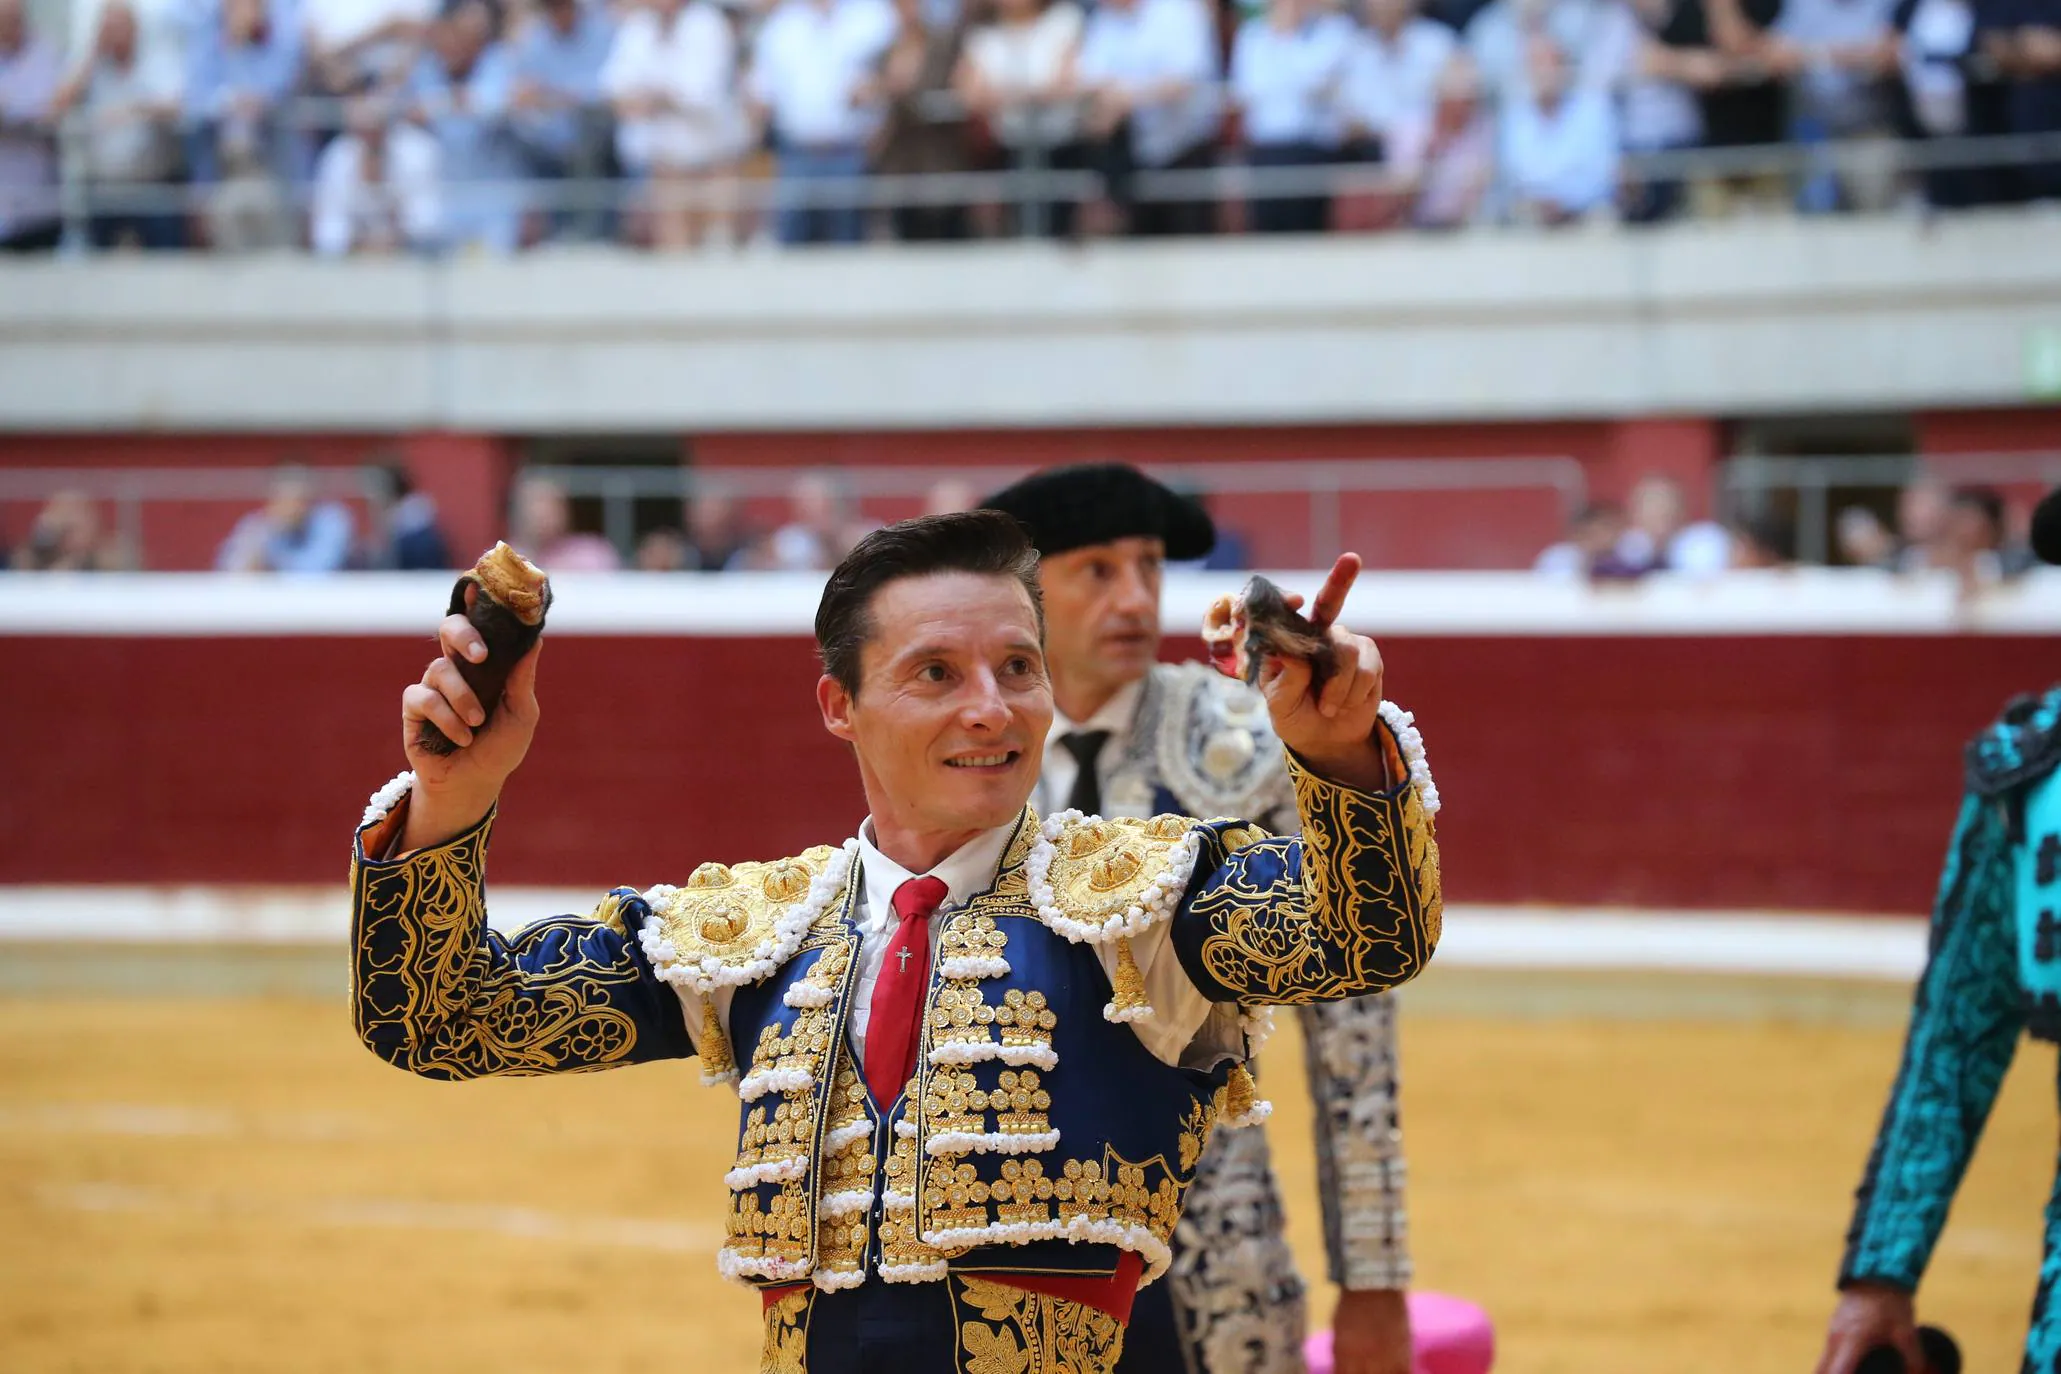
point(453, 791)
point(1370, 1332)
point(1333, 731)
point(1868, 1315)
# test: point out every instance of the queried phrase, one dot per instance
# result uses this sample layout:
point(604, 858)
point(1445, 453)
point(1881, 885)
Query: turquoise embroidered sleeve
point(1964, 1028)
point(1350, 906)
point(437, 992)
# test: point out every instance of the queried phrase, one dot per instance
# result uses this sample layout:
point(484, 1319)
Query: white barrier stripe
point(1476, 936)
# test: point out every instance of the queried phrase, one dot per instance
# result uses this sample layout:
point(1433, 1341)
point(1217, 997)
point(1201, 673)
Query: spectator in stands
point(127, 96)
point(1675, 60)
point(407, 535)
point(1748, 109)
point(2016, 557)
point(1455, 166)
point(459, 91)
point(661, 550)
point(822, 528)
point(918, 138)
point(815, 86)
point(1388, 99)
point(949, 496)
point(717, 539)
point(1935, 39)
point(1863, 540)
point(29, 73)
point(1592, 538)
point(1287, 69)
point(1018, 74)
point(1597, 38)
point(67, 537)
point(558, 112)
point(1761, 541)
point(1661, 538)
point(378, 188)
point(672, 77)
point(1838, 56)
point(240, 71)
point(2021, 41)
point(358, 46)
point(1971, 538)
point(1148, 69)
point(1559, 142)
point(291, 533)
point(543, 533)
point(1921, 516)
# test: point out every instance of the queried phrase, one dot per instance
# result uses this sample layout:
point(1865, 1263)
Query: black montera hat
point(1094, 503)
point(2046, 528)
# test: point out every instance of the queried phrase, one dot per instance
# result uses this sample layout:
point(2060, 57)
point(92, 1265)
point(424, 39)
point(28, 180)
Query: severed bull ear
point(505, 597)
point(1242, 631)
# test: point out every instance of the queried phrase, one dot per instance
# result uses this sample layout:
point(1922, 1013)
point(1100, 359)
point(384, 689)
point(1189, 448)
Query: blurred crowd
point(394, 125)
point(1970, 531)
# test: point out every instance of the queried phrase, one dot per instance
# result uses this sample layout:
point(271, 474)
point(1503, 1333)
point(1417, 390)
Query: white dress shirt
point(407, 199)
point(1056, 779)
point(1018, 59)
point(691, 63)
point(808, 62)
point(1565, 157)
point(1391, 84)
point(1185, 1028)
point(1286, 81)
point(1151, 42)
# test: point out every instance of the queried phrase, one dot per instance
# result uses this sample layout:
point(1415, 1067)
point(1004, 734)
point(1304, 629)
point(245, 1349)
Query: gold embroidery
point(727, 912)
point(787, 1334)
point(1364, 916)
point(1129, 984)
point(431, 996)
point(1102, 868)
point(716, 1059)
point(1026, 1019)
point(1008, 1330)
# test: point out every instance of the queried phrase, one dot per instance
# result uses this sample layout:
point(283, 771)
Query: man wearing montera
point(978, 1054)
point(1132, 736)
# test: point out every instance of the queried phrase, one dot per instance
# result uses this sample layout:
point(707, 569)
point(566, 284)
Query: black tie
point(1085, 746)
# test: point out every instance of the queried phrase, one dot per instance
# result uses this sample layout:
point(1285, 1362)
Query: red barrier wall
point(1715, 772)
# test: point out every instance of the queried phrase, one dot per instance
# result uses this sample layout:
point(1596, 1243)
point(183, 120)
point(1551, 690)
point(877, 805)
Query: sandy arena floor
point(1633, 1174)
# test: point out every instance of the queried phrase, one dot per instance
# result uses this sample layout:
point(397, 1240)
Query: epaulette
point(2023, 744)
point(1214, 745)
point(1101, 880)
point(735, 924)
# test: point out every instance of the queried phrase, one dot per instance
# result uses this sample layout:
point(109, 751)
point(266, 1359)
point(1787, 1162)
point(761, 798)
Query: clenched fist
point(453, 791)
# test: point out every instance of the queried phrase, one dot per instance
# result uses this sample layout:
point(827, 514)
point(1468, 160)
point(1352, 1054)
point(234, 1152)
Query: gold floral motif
point(1009, 1330)
point(1128, 984)
point(786, 1348)
point(1102, 868)
point(1026, 1019)
point(728, 911)
point(1364, 916)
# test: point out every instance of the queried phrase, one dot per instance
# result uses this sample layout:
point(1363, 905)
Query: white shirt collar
point(966, 872)
point(1115, 716)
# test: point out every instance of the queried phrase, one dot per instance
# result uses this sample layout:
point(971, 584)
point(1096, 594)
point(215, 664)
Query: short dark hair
point(984, 542)
point(1986, 502)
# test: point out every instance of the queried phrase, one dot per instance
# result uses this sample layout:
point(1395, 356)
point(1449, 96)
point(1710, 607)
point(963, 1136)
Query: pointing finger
point(1331, 596)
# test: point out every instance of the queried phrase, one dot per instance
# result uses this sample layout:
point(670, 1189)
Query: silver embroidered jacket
point(1201, 745)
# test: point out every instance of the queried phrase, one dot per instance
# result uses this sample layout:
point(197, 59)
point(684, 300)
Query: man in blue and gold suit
point(978, 1053)
point(1993, 973)
point(1132, 736)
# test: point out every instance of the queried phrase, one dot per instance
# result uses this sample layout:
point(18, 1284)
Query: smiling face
point(1102, 618)
point(950, 714)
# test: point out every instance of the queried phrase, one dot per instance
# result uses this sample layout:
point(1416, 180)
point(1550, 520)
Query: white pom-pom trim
point(1112, 1012)
point(768, 956)
point(1079, 1230)
point(1258, 1025)
point(732, 1264)
point(974, 966)
point(807, 996)
point(771, 1171)
point(983, 1051)
point(898, 1202)
point(906, 1129)
point(1410, 741)
point(845, 1135)
point(1154, 905)
point(710, 1080)
point(1261, 1110)
point(830, 1280)
point(991, 1142)
point(387, 798)
point(913, 1273)
point(759, 1082)
point(845, 1203)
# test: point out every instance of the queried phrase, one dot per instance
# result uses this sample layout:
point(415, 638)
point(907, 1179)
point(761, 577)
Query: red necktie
point(891, 1037)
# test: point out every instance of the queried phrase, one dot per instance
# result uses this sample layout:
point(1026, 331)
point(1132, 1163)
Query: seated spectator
point(67, 537)
point(292, 533)
point(127, 96)
point(814, 85)
point(661, 550)
point(558, 112)
point(542, 531)
point(1971, 539)
point(29, 73)
point(1592, 538)
point(360, 46)
point(407, 535)
point(1661, 538)
point(1559, 143)
point(2021, 41)
point(1863, 540)
point(1287, 68)
point(822, 529)
point(1018, 76)
point(717, 539)
point(1148, 69)
point(1597, 38)
point(1839, 56)
point(240, 71)
point(378, 188)
point(919, 139)
point(1389, 95)
point(1921, 518)
point(1674, 61)
point(671, 76)
point(459, 91)
point(1453, 165)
